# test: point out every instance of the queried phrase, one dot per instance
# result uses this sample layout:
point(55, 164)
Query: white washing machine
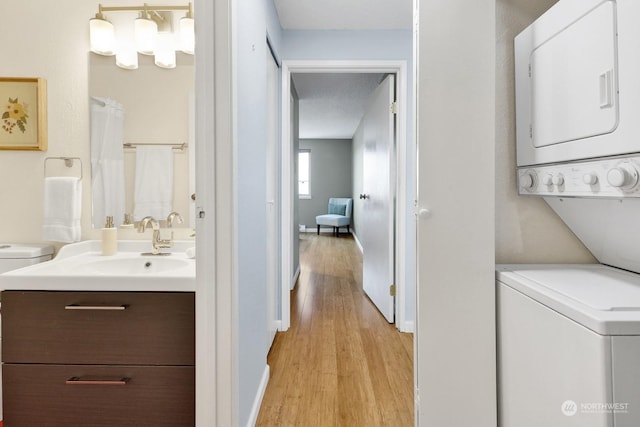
point(14, 256)
point(569, 335)
point(568, 346)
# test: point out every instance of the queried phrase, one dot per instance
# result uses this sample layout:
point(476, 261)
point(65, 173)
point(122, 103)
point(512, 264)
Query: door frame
point(399, 68)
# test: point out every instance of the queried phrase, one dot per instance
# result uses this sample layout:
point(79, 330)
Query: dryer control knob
point(527, 181)
point(623, 176)
point(590, 178)
point(547, 179)
point(558, 179)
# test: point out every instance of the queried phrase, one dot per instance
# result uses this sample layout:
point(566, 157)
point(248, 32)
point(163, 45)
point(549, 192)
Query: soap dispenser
point(109, 238)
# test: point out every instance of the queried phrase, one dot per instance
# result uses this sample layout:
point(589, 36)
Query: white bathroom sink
point(82, 267)
point(134, 265)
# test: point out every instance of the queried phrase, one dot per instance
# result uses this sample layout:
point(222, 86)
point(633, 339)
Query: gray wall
point(258, 18)
point(330, 176)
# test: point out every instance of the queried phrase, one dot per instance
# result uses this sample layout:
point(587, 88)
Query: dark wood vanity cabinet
point(98, 358)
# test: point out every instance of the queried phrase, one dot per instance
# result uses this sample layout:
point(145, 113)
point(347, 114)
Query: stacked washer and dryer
point(14, 256)
point(569, 335)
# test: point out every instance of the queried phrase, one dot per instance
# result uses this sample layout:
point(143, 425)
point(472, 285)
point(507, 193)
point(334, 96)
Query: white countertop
point(82, 267)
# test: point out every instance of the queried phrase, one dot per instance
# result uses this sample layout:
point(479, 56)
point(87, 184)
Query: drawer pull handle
point(80, 381)
point(96, 307)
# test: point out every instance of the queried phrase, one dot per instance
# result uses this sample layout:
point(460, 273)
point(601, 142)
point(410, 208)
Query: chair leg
point(318, 229)
point(348, 231)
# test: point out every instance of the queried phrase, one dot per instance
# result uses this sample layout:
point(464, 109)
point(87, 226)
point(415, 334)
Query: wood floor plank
point(340, 363)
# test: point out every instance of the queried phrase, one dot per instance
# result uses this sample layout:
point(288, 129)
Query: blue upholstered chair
point(339, 214)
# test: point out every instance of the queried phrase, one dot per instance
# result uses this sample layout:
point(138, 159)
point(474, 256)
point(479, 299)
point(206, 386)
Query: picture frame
point(23, 113)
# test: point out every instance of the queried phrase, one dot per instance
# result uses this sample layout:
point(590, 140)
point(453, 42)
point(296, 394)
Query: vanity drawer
point(39, 395)
point(141, 328)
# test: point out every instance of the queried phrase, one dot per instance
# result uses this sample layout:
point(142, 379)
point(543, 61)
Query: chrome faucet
point(156, 242)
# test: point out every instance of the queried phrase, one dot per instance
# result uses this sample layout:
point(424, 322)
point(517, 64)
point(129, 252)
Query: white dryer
point(568, 346)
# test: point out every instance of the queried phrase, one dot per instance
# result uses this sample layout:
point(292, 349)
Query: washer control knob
point(590, 178)
point(547, 179)
point(623, 176)
point(527, 180)
point(558, 179)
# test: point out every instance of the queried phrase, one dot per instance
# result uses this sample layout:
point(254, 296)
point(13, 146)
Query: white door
point(271, 182)
point(378, 184)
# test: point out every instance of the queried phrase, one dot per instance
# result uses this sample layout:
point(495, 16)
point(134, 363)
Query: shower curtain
point(107, 160)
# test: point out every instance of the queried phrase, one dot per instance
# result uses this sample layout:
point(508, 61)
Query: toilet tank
point(18, 255)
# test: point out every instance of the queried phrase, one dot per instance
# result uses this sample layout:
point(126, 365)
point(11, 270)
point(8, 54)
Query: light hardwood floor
point(340, 363)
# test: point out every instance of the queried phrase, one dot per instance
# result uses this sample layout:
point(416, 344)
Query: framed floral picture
point(23, 113)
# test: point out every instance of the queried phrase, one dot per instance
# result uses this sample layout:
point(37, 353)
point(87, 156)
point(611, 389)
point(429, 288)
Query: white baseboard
point(295, 277)
point(255, 409)
point(355, 237)
point(408, 326)
point(322, 230)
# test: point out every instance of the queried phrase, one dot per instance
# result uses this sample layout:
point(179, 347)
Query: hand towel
point(62, 209)
point(154, 182)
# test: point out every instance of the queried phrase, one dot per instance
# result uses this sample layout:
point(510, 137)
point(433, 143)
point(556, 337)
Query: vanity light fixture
point(145, 33)
point(101, 35)
point(187, 33)
point(127, 58)
point(165, 51)
point(152, 35)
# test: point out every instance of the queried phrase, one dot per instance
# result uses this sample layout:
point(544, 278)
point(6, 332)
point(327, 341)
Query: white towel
point(62, 209)
point(154, 182)
point(107, 161)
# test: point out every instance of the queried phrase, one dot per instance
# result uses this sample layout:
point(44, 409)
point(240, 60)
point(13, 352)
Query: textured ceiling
point(332, 104)
point(345, 14)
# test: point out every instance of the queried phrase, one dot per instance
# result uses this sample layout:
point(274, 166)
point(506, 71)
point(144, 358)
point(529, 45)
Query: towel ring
point(68, 162)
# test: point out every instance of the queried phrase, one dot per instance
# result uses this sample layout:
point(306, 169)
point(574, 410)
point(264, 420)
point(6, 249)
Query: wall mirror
point(157, 107)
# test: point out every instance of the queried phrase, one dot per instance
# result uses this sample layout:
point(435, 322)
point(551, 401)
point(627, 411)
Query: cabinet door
point(97, 396)
point(142, 328)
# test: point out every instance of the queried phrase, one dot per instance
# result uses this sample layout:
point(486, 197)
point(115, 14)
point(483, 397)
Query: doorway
point(399, 69)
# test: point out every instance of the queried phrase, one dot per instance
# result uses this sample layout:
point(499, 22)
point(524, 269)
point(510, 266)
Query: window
point(304, 186)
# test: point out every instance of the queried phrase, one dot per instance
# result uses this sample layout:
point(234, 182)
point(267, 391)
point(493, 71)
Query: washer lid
point(602, 298)
point(600, 289)
point(24, 251)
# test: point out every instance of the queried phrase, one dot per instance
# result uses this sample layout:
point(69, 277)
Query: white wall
point(53, 43)
point(37, 45)
point(295, 131)
point(456, 284)
point(357, 178)
point(527, 230)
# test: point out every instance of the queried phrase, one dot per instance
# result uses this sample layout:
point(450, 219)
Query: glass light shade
point(187, 35)
point(127, 58)
point(102, 37)
point(165, 56)
point(145, 33)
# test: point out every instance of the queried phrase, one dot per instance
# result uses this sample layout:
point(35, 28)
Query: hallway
point(340, 363)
